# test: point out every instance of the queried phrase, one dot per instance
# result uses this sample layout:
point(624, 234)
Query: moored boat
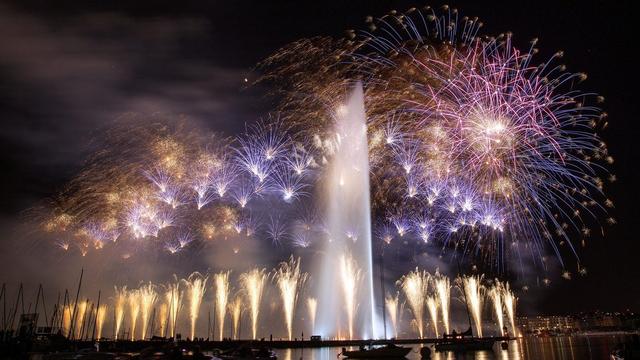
point(464, 342)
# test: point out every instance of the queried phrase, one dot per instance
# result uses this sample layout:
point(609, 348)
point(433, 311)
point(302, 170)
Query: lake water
point(554, 348)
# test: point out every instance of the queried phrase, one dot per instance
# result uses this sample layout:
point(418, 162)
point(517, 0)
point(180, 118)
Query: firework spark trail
point(252, 283)
point(221, 281)
point(474, 293)
point(101, 314)
point(120, 305)
point(496, 293)
point(350, 275)
point(148, 296)
point(289, 280)
point(133, 298)
point(81, 312)
point(196, 287)
point(510, 301)
point(173, 299)
point(66, 320)
point(163, 319)
point(443, 290)
point(312, 310)
point(235, 308)
point(467, 111)
point(414, 285)
point(394, 309)
point(432, 306)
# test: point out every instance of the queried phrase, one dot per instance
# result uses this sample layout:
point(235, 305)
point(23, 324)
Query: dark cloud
point(66, 79)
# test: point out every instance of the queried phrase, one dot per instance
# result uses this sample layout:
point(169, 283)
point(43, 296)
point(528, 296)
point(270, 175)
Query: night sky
point(69, 70)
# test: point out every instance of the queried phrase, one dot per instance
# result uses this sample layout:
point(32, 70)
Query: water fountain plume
point(196, 287)
point(432, 306)
point(348, 213)
point(312, 309)
point(474, 293)
point(350, 276)
point(133, 298)
point(414, 286)
point(496, 293)
point(120, 304)
point(443, 291)
point(252, 283)
point(147, 297)
point(289, 280)
point(221, 281)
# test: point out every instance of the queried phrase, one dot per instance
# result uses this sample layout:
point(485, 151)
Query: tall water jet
point(252, 283)
point(496, 295)
point(101, 314)
point(432, 306)
point(235, 309)
point(134, 310)
point(350, 275)
point(510, 304)
point(443, 290)
point(474, 296)
point(120, 304)
point(289, 280)
point(348, 220)
point(196, 287)
point(414, 285)
point(173, 299)
point(221, 281)
point(148, 298)
point(392, 304)
point(312, 309)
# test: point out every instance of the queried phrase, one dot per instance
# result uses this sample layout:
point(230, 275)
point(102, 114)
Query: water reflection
point(554, 348)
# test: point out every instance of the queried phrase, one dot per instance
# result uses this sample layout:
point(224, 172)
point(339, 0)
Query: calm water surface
point(565, 347)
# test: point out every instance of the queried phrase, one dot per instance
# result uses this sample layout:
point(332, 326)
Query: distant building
point(583, 322)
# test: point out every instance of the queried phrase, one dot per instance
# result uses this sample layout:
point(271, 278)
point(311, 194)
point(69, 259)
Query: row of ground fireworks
point(159, 309)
